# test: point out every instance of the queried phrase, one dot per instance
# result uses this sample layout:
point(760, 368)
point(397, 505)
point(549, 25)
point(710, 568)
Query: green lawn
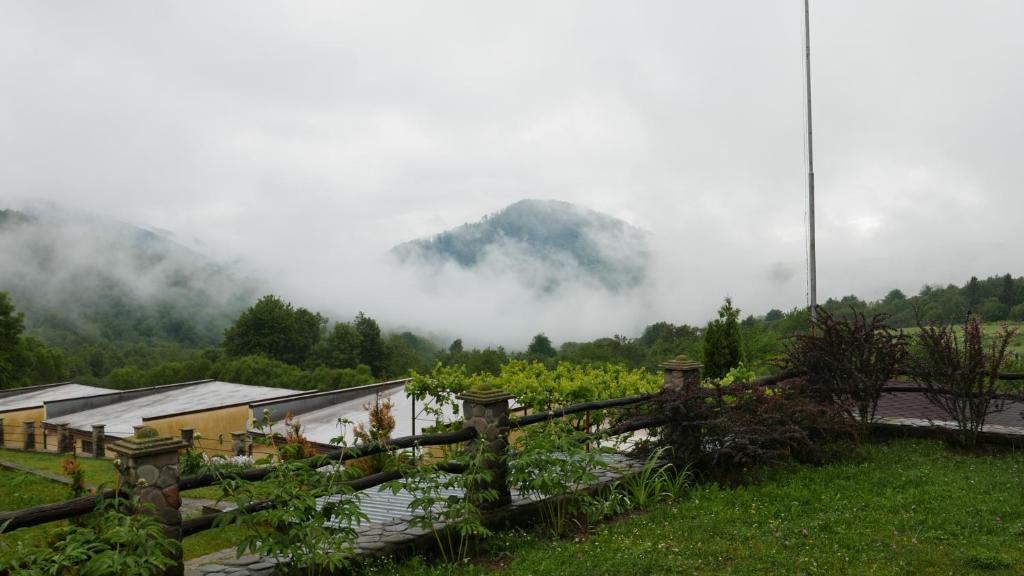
point(906, 507)
point(21, 490)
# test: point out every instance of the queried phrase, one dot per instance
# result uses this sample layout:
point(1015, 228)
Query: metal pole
point(811, 255)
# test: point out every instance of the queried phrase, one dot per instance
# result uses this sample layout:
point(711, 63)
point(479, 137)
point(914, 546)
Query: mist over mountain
point(79, 278)
point(544, 244)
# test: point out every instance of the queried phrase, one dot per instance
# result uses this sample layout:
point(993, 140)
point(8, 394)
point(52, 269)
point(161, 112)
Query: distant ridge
point(80, 278)
point(548, 242)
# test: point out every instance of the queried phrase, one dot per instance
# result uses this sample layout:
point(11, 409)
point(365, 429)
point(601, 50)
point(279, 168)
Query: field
point(906, 507)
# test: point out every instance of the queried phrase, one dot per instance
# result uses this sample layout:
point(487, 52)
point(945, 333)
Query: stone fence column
point(188, 436)
point(681, 374)
point(62, 438)
point(238, 443)
point(487, 412)
point(149, 463)
point(30, 435)
point(99, 438)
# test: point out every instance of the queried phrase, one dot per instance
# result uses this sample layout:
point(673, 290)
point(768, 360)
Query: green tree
point(972, 293)
point(340, 349)
point(541, 347)
point(1017, 313)
point(1008, 293)
point(723, 346)
point(773, 315)
point(274, 328)
point(372, 350)
point(12, 323)
point(992, 310)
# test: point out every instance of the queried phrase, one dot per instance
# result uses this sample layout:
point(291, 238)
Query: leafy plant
point(848, 360)
point(959, 374)
point(552, 463)
point(303, 511)
point(448, 505)
point(114, 539)
point(657, 482)
point(72, 470)
point(377, 431)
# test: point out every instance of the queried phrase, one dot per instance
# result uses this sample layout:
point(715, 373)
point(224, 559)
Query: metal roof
point(121, 417)
point(36, 397)
point(321, 426)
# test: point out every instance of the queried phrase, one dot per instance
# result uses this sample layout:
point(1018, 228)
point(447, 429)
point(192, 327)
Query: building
point(211, 408)
point(22, 409)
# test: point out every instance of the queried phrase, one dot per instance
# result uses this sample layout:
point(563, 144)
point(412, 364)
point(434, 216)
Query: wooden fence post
point(1, 432)
point(99, 440)
point(487, 412)
point(149, 463)
point(30, 435)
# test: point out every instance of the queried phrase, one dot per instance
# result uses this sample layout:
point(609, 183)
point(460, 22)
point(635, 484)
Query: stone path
point(389, 526)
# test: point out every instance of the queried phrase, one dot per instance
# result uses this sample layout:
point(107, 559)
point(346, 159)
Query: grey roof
point(35, 398)
point(121, 417)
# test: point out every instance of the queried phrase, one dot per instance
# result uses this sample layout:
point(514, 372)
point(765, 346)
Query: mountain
point(546, 243)
point(81, 278)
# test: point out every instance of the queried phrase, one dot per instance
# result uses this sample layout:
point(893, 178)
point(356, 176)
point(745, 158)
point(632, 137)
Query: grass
point(905, 507)
point(23, 490)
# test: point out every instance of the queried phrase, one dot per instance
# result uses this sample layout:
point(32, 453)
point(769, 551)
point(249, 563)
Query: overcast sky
point(306, 139)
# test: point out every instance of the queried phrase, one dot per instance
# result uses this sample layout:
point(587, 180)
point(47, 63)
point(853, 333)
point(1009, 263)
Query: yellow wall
point(211, 424)
point(14, 428)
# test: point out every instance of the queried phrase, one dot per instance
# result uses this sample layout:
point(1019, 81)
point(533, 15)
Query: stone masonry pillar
point(30, 435)
point(188, 436)
point(681, 373)
point(487, 412)
point(98, 440)
point(238, 442)
point(149, 464)
point(62, 439)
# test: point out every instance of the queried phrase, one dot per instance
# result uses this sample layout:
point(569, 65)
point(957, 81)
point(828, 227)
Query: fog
point(302, 141)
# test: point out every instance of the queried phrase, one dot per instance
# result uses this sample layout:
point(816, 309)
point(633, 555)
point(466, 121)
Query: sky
point(303, 139)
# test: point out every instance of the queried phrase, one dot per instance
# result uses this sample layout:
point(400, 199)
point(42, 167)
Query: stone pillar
point(238, 443)
point(98, 440)
point(149, 464)
point(62, 439)
point(188, 436)
point(30, 435)
point(1, 432)
point(681, 374)
point(487, 412)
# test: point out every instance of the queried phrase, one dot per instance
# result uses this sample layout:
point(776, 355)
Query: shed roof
point(321, 425)
point(36, 397)
point(121, 417)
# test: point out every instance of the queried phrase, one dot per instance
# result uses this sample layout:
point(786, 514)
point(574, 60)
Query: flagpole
point(811, 256)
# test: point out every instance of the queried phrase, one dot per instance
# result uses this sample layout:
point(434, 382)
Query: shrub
point(959, 374)
point(848, 361)
point(726, 432)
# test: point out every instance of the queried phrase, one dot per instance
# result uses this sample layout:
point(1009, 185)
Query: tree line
point(274, 343)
